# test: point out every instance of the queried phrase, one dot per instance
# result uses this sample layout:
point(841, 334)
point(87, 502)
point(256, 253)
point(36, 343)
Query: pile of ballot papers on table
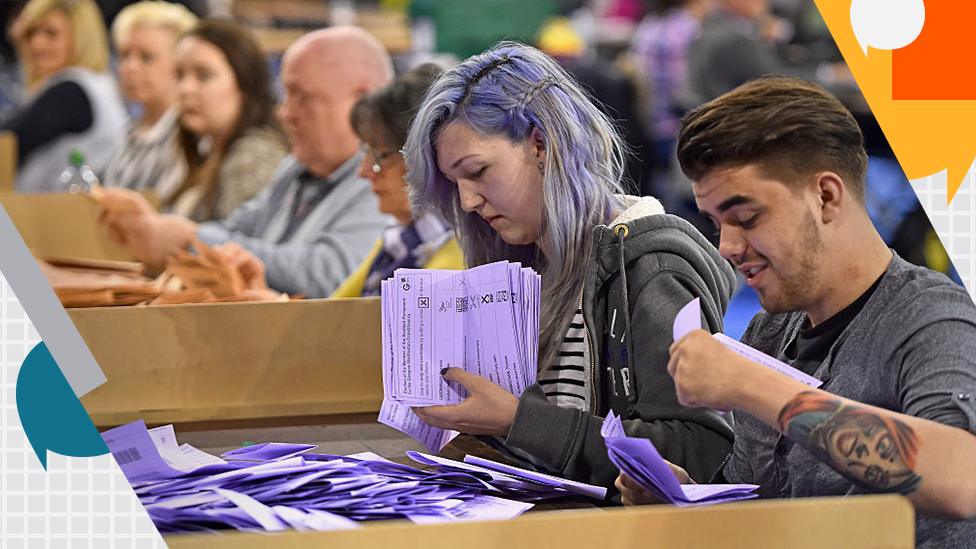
point(639, 459)
point(279, 486)
point(484, 320)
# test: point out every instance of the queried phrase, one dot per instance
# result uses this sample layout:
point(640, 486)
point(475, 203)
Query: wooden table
point(862, 522)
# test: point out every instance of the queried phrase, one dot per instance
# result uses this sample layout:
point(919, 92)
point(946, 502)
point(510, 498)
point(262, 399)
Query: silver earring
point(542, 167)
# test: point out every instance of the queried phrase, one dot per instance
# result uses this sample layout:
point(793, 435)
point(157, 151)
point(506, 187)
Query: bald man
point(316, 220)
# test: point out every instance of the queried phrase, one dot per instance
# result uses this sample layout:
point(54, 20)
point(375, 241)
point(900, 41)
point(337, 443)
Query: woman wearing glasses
point(381, 120)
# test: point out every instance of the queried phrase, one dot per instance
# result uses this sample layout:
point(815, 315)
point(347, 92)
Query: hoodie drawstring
point(621, 233)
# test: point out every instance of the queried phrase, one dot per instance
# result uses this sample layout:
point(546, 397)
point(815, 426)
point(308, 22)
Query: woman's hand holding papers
point(488, 410)
point(632, 493)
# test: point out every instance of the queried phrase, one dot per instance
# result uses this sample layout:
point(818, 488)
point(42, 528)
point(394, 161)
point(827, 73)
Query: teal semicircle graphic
point(52, 416)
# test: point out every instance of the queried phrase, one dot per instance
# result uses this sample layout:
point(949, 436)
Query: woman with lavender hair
point(510, 151)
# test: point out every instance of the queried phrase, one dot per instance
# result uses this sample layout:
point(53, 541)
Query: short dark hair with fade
point(791, 127)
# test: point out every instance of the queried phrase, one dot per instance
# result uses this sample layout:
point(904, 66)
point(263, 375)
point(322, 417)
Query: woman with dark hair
point(228, 129)
point(381, 120)
point(510, 151)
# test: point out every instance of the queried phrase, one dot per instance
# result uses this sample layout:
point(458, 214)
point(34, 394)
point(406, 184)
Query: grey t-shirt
point(912, 349)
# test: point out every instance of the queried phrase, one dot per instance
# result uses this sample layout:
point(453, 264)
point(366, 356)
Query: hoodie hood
point(646, 230)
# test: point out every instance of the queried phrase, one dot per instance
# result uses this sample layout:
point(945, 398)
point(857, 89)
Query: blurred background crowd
point(182, 99)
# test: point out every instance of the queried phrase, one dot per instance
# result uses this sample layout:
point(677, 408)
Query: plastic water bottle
point(78, 176)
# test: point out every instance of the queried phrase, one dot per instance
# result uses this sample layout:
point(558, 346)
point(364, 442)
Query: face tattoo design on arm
point(876, 451)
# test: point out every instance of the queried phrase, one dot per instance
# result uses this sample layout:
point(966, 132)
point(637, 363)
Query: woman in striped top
point(150, 158)
point(512, 152)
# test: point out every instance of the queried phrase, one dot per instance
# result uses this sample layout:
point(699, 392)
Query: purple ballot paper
point(401, 417)
point(640, 460)
point(140, 458)
point(268, 451)
point(484, 320)
point(279, 487)
point(767, 361)
point(689, 318)
point(590, 490)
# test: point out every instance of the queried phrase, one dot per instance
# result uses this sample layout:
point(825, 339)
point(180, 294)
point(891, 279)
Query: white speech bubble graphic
point(886, 24)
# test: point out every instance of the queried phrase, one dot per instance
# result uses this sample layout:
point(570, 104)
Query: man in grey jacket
point(316, 220)
point(779, 165)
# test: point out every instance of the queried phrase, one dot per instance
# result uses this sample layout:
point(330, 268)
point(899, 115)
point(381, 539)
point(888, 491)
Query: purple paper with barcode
point(139, 458)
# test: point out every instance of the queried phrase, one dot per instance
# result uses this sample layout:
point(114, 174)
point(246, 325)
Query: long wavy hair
point(507, 92)
point(250, 68)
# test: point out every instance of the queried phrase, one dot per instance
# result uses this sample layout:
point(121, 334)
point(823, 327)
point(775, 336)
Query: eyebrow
point(736, 200)
point(459, 160)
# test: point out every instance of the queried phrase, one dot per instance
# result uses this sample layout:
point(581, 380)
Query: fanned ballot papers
point(640, 460)
point(484, 320)
point(280, 486)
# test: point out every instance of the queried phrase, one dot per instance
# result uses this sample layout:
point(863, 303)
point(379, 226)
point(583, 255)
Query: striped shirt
point(149, 159)
point(567, 382)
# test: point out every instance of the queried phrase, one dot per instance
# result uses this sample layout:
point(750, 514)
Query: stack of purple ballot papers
point(278, 486)
point(484, 320)
point(640, 460)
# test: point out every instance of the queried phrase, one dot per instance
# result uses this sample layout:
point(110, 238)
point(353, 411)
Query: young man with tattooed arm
point(779, 166)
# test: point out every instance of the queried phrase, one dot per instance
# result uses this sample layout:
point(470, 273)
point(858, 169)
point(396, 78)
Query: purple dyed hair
point(507, 92)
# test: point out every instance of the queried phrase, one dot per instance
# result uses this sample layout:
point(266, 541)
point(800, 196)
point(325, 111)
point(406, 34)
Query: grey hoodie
point(666, 263)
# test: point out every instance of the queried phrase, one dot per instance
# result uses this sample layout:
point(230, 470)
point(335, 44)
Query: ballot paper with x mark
point(483, 320)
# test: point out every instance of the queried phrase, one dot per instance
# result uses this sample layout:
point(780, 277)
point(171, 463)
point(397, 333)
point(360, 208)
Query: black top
point(811, 345)
point(62, 108)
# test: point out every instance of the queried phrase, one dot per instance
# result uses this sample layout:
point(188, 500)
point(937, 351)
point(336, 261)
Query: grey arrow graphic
point(45, 311)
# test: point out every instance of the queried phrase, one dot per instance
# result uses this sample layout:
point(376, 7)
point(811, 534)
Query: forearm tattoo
point(875, 450)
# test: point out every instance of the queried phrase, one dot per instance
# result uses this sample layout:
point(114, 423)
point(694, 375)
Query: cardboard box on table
point(62, 224)
point(862, 522)
point(234, 361)
point(8, 160)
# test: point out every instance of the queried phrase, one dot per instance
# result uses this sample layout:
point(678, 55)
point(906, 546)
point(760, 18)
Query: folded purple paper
point(640, 460)
point(274, 490)
point(268, 451)
point(514, 478)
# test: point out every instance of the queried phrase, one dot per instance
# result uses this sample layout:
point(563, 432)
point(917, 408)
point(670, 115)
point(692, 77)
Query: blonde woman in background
point(228, 132)
point(150, 157)
point(73, 103)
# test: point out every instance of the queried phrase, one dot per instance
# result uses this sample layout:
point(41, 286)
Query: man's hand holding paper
point(647, 478)
point(713, 370)
point(632, 493)
point(707, 373)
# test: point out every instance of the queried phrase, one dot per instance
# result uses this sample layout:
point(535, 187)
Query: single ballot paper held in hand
point(689, 318)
